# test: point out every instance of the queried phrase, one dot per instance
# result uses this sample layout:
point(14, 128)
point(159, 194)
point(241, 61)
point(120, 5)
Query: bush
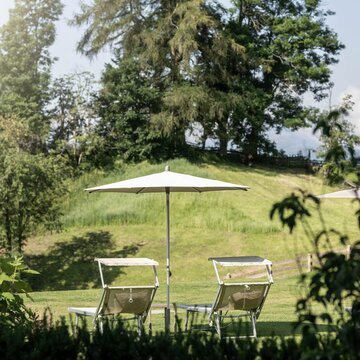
point(48, 341)
point(13, 312)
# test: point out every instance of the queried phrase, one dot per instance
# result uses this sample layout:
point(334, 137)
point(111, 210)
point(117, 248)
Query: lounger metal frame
point(116, 294)
point(216, 312)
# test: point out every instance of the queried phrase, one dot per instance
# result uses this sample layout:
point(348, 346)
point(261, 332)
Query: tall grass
point(231, 211)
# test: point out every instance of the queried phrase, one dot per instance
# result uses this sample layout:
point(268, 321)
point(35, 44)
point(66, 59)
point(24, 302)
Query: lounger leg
point(140, 325)
point(75, 329)
point(149, 321)
point(176, 318)
point(253, 321)
point(218, 324)
point(186, 320)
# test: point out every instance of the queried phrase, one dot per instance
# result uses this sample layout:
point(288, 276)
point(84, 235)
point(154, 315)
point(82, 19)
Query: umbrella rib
point(138, 192)
point(196, 189)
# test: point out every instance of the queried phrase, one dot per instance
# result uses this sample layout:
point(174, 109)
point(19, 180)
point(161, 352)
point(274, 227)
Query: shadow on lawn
point(70, 265)
point(264, 329)
point(285, 328)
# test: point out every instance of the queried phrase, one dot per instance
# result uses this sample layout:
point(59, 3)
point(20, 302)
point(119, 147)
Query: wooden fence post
point(310, 263)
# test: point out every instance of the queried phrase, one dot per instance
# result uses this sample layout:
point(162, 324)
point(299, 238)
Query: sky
point(346, 75)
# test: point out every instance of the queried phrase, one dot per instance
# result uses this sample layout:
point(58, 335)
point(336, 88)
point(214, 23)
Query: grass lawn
point(229, 223)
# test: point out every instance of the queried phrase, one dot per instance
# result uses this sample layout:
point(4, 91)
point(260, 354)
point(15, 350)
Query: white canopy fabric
point(241, 261)
point(173, 181)
point(342, 194)
point(127, 261)
point(167, 182)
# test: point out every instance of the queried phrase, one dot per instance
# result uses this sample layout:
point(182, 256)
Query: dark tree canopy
point(25, 64)
point(30, 182)
point(232, 72)
point(73, 117)
point(126, 103)
point(30, 188)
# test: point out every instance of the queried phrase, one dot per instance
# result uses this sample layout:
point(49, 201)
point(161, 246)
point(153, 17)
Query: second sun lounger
point(244, 298)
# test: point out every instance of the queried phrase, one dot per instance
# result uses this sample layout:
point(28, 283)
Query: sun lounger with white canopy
point(116, 300)
point(239, 298)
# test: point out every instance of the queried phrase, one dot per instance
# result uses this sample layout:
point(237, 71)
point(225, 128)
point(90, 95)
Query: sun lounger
point(240, 298)
point(116, 300)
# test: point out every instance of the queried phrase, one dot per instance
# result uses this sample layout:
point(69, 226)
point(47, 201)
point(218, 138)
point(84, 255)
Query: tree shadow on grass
point(287, 328)
point(240, 327)
point(70, 265)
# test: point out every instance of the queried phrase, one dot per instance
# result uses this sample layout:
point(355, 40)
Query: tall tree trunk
point(251, 148)
point(223, 137)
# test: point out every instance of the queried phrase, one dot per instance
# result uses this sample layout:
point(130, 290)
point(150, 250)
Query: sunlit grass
point(203, 225)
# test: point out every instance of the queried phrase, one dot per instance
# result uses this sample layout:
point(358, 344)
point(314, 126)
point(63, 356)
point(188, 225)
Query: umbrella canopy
point(167, 182)
point(342, 194)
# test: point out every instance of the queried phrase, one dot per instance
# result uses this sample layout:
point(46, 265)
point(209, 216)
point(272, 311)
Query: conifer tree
point(25, 64)
point(234, 72)
point(126, 102)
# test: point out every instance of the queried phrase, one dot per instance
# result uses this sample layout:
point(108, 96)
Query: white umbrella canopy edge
point(167, 179)
point(342, 194)
point(167, 182)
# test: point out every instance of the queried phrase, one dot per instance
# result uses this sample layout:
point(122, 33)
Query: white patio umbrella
point(167, 182)
point(353, 193)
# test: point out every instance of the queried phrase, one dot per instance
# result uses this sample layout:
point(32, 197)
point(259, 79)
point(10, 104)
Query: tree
point(139, 30)
point(73, 116)
point(25, 64)
point(126, 102)
point(289, 51)
point(238, 72)
point(13, 312)
point(30, 188)
point(338, 141)
point(162, 35)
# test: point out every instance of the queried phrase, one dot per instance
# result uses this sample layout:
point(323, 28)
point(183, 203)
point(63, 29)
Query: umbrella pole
point(168, 273)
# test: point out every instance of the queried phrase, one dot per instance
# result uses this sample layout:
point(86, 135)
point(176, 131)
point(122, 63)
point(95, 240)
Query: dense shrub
point(13, 311)
point(47, 341)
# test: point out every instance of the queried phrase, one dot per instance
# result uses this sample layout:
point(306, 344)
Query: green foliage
point(232, 73)
point(30, 187)
point(339, 142)
point(291, 210)
point(54, 341)
point(335, 282)
point(288, 51)
point(13, 312)
point(126, 102)
point(73, 118)
point(25, 64)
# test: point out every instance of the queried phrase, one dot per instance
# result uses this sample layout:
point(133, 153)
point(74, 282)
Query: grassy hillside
point(202, 225)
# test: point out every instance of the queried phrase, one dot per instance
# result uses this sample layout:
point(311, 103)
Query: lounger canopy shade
point(127, 262)
point(342, 194)
point(241, 261)
point(167, 182)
